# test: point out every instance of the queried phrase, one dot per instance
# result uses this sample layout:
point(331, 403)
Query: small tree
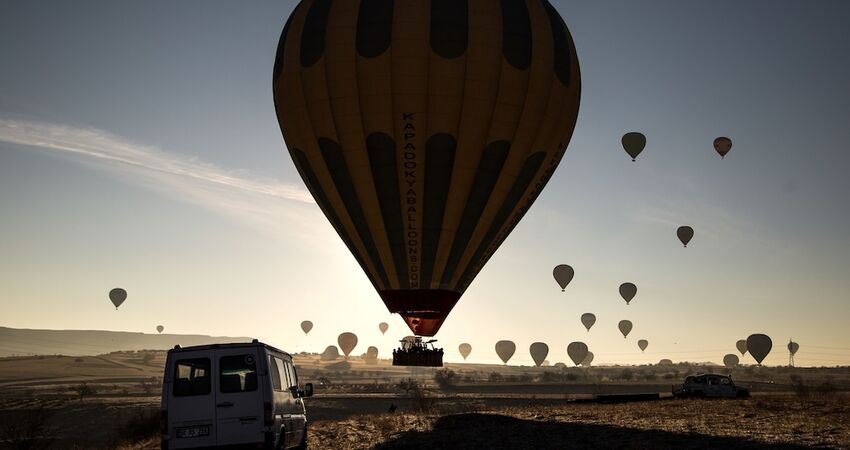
point(446, 378)
point(408, 385)
point(83, 389)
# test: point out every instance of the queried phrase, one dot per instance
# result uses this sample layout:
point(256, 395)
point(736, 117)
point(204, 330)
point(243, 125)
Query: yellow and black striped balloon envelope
point(425, 130)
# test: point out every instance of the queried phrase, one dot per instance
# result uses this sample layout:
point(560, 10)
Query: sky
point(139, 148)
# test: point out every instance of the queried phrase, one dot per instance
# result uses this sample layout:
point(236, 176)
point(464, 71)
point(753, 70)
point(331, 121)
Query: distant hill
point(20, 342)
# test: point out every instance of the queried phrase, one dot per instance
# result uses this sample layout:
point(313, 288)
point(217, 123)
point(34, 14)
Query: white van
point(233, 395)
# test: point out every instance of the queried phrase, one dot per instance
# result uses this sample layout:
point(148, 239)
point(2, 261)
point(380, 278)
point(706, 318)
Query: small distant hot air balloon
point(159, 329)
point(383, 326)
point(117, 296)
point(634, 143)
point(306, 326)
point(643, 344)
point(759, 346)
point(563, 275)
point(742, 346)
point(539, 351)
point(560, 365)
point(347, 341)
point(685, 234)
point(730, 360)
point(625, 327)
point(464, 349)
point(665, 362)
point(371, 356)
point(331, 353)
point(793, 347)
point(588, 319)
point(722, 145)
point(577, 351)
point(505, 349)
point(628, 291)
point(587, 360)
point(545, 363)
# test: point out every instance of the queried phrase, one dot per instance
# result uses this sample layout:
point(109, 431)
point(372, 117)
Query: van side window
point(237, 373)
point(274, 374)
point(290, 371)
point(284, 377)
point(192, 377)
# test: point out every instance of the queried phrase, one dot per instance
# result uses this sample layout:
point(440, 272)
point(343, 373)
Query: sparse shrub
point(627, 374)
point(79, 360)
point(495, 377)
point(83, 389)
point(407, 385)
point(446, 378)
point(30, 430)
point(142, 423)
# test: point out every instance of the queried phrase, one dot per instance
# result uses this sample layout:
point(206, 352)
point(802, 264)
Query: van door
point(190, 397)
point(239, 397)
point(297, 417)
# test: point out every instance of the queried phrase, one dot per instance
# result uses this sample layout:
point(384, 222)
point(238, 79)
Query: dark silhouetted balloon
point(331, 353)
point(793, 347)
point(628, 291)
point(730, 360)
point(560, 365)
point(625, 327)
point(383, 326)
point(538, 351)
point(634, 143)
point(160, 329)
point(577, 351)
point(464, 349)
point(665, 362)
point(424, 131)
point(306, 326)
point(685, 234)
point(563, 275)
point(742, 346)
point(759, 346)
point(588, 319)
point(347, 341)
point(371, 356)
point(588, 360)
point(643, 344)
point(117, 296)
point(505, 349)
point(722, 145)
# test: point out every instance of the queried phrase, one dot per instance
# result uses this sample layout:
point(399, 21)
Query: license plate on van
point(193, 432)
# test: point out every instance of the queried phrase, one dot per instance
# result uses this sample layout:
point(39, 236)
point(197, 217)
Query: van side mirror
point(308, 390)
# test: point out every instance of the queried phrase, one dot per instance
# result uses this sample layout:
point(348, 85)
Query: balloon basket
point(415, 352)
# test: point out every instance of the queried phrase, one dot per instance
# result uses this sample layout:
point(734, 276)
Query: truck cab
point(710, 385)
point(232, 395)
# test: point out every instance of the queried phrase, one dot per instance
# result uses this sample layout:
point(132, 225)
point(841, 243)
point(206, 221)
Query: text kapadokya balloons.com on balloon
point(759, 346)
point(117, 296)
point(722, 145)
point(685, 234)
point(306, 326)
point(628, 291)
point(643, 344)
point(407, 132)
point(347, 341)
point(563, 275)
point(625, 327)
point(160, 329)
point(577, 351)
point(588, 319)
point(633, 143)
point(741, 345)
point(383, 327)
point(464, 350)
point(505, 350)
point(539, 351)
point(730, 360)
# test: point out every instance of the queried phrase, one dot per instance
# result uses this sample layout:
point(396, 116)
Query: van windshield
point(237, 373)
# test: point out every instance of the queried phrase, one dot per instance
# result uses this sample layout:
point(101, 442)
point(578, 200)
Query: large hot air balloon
point(539, 351)
point(387, 107)
point(505, 349)
point(588, 319)
point(730, 360)
point(625, 327)
point(643, 344)
point(793, 347)
point(685, 234)
point(759, 346)
point(628, 291)
point(347, 341)
point(160, 329)
point(563, 275)
point(306, 326)
point(722, 145)
point(117, 296)
point(577, 351)
point(383, 326)
point(588, 360)
point(464, 349)
point(634, 143)
point(742, 346)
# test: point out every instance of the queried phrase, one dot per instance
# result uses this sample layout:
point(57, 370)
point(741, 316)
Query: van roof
point(254, 343)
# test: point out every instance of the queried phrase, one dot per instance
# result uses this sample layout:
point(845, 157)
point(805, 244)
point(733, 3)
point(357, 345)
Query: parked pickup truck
point(710, 385)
